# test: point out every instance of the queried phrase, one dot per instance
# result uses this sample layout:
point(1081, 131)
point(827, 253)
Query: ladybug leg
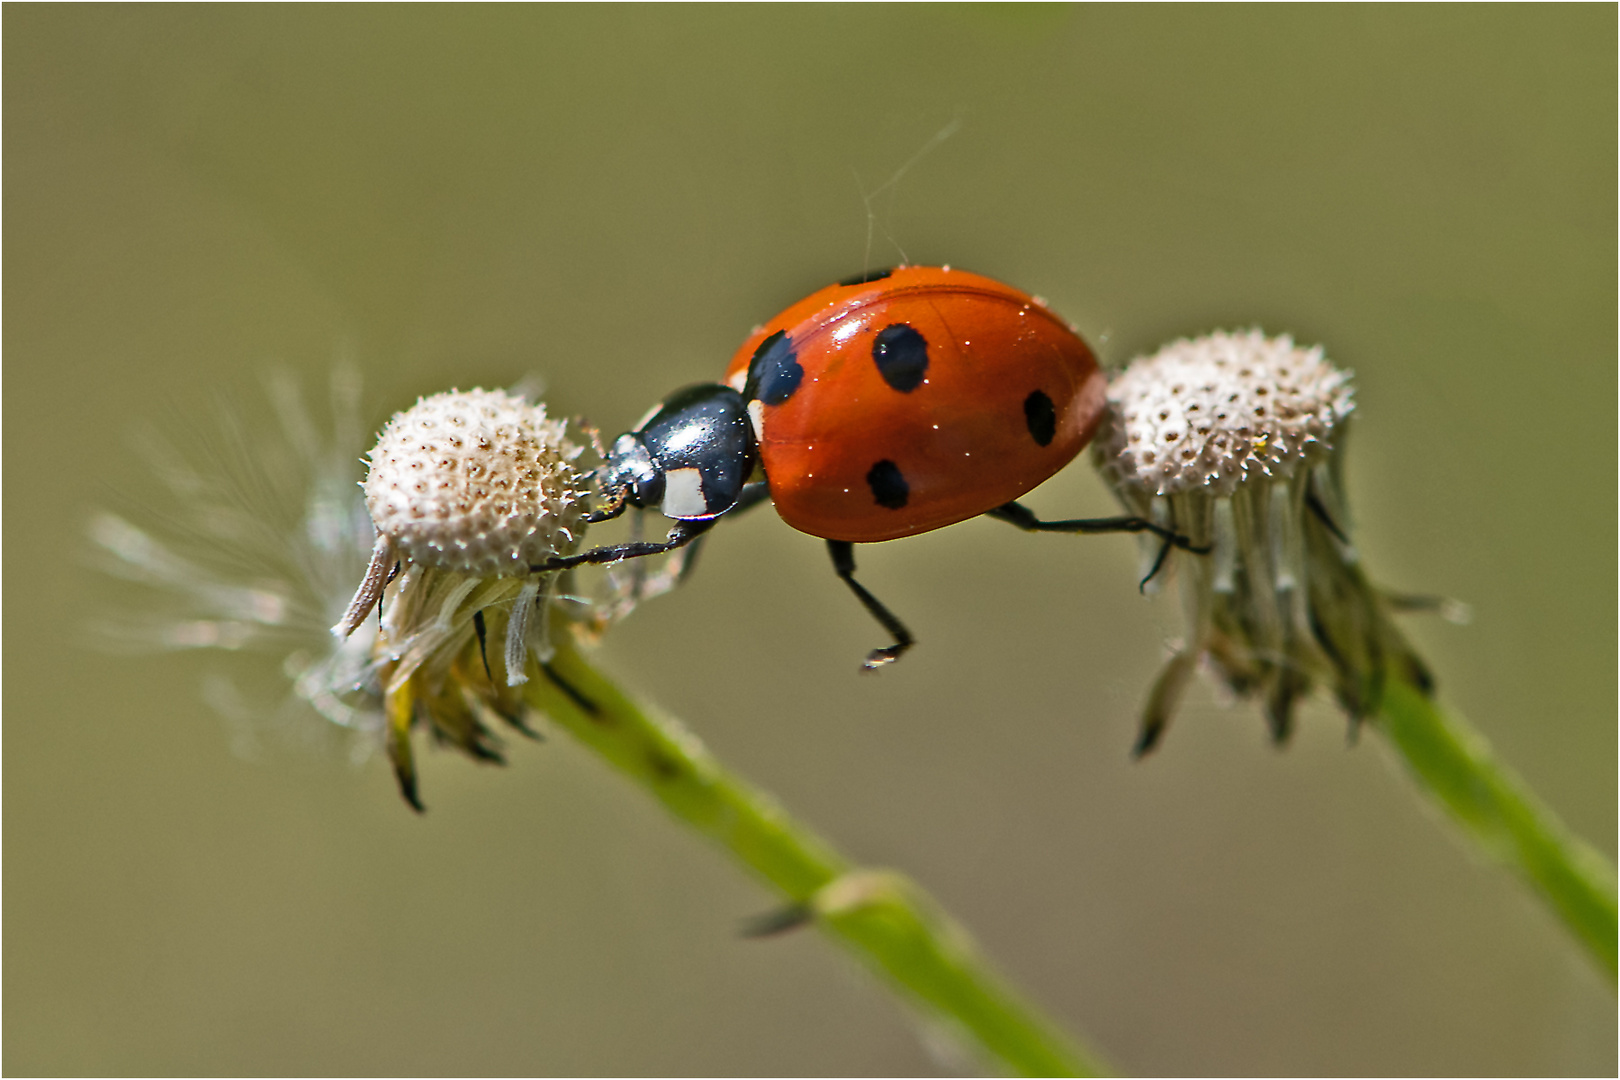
point(1023, 517)
point(752, 495)
point(843, 557)
point(615, 506)
point(683, 533)
point(1314, 504)
point(1158, 564)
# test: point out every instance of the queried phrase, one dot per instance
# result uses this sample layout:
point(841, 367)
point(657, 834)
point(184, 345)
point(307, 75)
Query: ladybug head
point(630, 473)
point(690, 459)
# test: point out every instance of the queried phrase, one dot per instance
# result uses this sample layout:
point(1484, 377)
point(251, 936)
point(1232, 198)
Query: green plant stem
point(1454, 763)
point(888, 921)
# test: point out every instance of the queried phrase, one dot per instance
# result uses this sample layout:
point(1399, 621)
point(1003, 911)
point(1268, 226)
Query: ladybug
point(885, 405)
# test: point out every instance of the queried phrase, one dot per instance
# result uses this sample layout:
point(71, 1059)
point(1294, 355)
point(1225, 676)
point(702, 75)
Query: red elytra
point(924, 397)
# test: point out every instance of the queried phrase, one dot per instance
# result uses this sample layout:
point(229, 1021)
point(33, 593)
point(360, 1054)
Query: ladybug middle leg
point(1022, 516)
point(752, 495)
point(843, 557)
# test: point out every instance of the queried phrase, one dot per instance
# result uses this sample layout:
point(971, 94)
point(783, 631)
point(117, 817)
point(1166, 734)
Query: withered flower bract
point(1236, 441)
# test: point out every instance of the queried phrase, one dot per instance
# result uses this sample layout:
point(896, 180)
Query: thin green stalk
point(1454, 763)
point(887, 920)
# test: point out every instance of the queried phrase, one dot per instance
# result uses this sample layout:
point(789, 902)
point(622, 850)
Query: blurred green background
point(612, 197)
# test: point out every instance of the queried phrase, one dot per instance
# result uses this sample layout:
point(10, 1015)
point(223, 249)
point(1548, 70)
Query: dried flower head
point(467, 490)
point(476, 481)
point(269, 532)
point(1236, 441)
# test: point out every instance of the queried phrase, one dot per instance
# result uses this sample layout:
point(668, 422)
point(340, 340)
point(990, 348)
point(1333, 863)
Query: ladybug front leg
point(683, 533)
point(1022, 516)
point(616, 505)
point(843, 557)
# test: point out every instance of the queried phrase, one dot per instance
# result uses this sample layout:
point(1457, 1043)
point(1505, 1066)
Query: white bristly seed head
point(1233, 443)
point(1205, 413)
point(477, 481)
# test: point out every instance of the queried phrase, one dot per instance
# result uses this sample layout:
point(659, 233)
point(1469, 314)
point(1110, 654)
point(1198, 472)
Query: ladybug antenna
point(890, 186)
point(593, 433)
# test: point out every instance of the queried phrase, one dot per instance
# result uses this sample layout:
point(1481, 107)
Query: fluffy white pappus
point(252, 544)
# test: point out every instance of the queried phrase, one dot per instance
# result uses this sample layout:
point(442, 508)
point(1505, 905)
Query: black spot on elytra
point(888, 484)
point(901, 354)
point(1040, 417)
point(774, 372)
point(866, 278)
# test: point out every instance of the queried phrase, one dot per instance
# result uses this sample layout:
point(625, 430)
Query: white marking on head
point(739, 380)
point(683, 494)
point(756, 413)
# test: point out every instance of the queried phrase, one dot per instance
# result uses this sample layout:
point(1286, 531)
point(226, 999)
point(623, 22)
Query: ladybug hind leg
point(1018, 514)
point(843, 557)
